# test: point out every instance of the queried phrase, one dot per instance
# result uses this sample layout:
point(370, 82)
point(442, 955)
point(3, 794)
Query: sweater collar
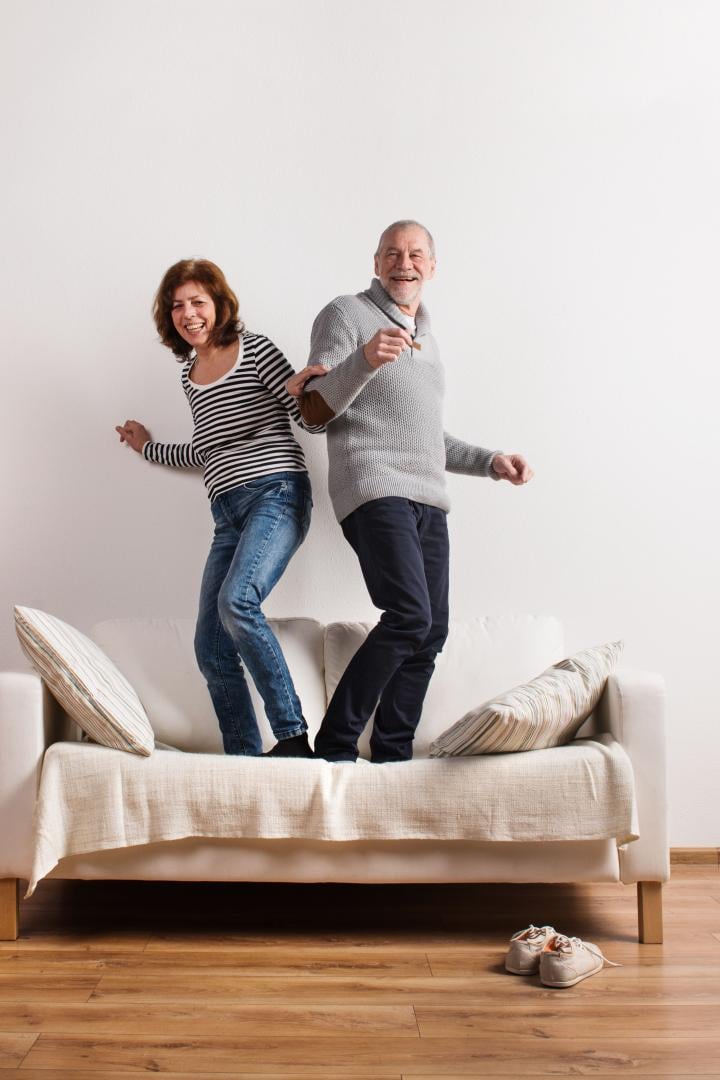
point(377, 295)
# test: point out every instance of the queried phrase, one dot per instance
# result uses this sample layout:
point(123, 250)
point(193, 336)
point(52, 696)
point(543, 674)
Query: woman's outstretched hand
point(296, 383)
point(134, 434)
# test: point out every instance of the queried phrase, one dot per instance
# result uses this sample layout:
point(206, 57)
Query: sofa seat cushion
point(92, 798)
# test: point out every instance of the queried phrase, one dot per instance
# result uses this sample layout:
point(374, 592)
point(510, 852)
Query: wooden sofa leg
point(650, 916)
point(9, 908)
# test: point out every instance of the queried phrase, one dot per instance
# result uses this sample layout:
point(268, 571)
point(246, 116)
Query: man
point(382, 401)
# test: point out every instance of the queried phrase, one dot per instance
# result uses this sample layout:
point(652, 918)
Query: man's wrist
point(494, 474)
point(367, 359)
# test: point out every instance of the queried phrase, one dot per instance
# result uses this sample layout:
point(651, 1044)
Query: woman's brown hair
point(228, 326)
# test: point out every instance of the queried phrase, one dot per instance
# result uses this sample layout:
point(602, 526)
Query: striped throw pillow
point(547, 711)
point(85, 682)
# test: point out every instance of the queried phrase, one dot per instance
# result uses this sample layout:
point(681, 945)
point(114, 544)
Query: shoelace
point(565, 944)
point(533, 933)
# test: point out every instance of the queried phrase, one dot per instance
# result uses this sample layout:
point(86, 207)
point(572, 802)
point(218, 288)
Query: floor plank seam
point(417, 1023)
point(30, 1047)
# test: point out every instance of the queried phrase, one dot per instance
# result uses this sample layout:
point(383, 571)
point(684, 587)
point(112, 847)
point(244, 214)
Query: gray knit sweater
point(387, 437)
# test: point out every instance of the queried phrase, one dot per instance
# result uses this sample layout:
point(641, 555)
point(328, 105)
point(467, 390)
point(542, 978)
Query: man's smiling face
point(404, 263)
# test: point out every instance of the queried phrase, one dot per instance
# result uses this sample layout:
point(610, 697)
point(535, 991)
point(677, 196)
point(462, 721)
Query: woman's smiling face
point(193, 313)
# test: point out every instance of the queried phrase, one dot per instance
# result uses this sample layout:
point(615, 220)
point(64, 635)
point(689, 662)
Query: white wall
point(564, 153)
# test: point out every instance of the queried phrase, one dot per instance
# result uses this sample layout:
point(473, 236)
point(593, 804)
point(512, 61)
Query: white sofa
point(482, 657)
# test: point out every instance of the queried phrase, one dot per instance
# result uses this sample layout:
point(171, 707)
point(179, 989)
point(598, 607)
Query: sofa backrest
point(157, 657)
point(482, 657)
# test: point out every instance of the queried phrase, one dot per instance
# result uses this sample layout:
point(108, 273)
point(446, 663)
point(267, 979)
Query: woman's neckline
point(221, 378)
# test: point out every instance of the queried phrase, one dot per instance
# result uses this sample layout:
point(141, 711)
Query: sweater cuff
point(468, 459)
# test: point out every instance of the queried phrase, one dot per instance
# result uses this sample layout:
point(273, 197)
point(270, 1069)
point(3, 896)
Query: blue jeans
point(258, 528)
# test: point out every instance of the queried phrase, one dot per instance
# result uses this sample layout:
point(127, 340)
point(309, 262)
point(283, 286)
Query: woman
point(242, 392)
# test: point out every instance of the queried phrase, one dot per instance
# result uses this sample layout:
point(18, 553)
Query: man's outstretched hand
point(512, 467)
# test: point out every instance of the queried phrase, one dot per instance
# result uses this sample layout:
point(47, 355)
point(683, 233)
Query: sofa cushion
point(85, 682)
point(157, 655)
point(584, 791)
point(547, 711)
point(481, 657)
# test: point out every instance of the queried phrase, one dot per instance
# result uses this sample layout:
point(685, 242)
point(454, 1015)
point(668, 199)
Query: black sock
point(297, 746)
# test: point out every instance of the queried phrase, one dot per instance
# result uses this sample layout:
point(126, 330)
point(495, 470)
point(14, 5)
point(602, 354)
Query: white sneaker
point(523, 955)
point(566, 961)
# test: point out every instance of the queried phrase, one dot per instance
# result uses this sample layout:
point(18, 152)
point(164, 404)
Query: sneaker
point(566, 961)
point(523, 956)
point(296, 746)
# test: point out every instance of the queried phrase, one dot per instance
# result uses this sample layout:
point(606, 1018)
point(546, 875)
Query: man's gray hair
point(407, 223)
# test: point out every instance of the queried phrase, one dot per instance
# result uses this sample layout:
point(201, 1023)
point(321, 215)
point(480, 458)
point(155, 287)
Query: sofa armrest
point(633, 709)
point(30, 719)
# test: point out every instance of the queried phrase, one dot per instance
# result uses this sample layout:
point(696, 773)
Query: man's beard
point(405, 295)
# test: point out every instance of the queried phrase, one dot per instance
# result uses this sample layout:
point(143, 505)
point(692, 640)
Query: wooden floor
point(333, 981)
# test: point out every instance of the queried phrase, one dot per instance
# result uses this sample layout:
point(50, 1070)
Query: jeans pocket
point(307, 513)
point(298, 490)
point(271, 483)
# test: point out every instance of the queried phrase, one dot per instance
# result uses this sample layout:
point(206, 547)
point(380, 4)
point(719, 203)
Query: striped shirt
point(242, 421)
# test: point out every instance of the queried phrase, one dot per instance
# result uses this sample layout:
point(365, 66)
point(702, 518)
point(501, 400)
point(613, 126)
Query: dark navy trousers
point(403, 550)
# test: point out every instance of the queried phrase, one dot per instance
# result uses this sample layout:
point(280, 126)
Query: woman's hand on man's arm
point(296, 383)
point(313, 408)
